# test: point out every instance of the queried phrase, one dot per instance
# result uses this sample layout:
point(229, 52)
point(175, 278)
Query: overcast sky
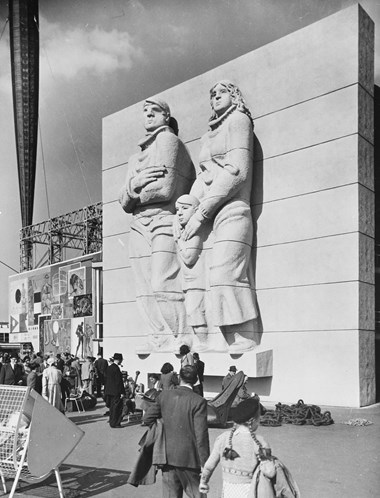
point(100, 56)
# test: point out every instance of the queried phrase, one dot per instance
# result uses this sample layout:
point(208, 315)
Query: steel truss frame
point(80, 230)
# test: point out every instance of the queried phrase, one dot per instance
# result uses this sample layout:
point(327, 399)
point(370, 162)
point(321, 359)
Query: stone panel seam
point(116, 268)
point(115, 234)
point(306, 147)
point(107, 168)
point(308, 239)
point(304, 194)
point(256, 118)
point(316, 284)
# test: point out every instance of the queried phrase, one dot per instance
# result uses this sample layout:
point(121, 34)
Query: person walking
point(239, 450)
point(184, 416)
point(115, 391)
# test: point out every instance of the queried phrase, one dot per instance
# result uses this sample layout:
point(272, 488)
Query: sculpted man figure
point(157, 175)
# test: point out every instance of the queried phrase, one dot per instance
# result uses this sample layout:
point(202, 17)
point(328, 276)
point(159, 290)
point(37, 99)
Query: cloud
point(71, 52)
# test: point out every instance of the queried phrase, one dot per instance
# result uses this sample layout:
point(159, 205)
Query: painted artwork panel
point(41, 331)
point(76, 281)
point(18, 297)
point(89, 336)
point(57, 336)
point(14, 326)
point(57, 312)
point(82, 305)
point(30, 302)
point(46, 295)
point(60, 281)
point(77, 337)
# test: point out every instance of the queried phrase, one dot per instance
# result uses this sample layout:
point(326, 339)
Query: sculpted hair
point(236, 97)
point(189, 374)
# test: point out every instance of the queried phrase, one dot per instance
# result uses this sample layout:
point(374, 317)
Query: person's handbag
point(271, 478)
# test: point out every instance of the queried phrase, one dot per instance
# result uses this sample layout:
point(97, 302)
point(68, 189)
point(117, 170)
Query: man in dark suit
point(115, 391)
point(200, 366)
point(184, 415)
point(11, 373)
point(101, 366)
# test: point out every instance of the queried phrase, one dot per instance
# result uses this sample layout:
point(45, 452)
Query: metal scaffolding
point(79, 230)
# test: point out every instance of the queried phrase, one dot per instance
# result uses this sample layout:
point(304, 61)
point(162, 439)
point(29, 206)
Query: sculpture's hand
point(146, 176)
point(193, 226)
point(203, 487)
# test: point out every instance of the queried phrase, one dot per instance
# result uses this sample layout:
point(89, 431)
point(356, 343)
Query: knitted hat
point(247, 409)
point(161, 103)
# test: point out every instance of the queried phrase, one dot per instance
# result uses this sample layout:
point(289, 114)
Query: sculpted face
point(154, 116)
point(184, 212)
point(220, 99)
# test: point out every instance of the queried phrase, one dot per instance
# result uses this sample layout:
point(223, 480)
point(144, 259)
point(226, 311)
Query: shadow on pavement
point(77, 481)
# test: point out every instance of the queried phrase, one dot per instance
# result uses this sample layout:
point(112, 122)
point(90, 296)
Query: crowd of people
point(174, 408)
point(55, 377)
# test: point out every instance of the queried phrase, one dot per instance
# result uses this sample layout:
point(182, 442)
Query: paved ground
point(328, 462)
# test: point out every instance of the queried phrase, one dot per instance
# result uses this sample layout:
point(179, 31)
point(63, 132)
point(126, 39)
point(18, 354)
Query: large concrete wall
point(311, 94)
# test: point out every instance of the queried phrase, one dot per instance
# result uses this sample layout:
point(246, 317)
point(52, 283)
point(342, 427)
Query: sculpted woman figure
point(223, 187)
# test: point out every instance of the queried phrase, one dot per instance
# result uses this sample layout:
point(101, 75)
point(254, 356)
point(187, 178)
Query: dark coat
point(152, 452)
point(114, 381)
point(9, 376)
point(200, 370)
point(101, 366)
point(184, 415)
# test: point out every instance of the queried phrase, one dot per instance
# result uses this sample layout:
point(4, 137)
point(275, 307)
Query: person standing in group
point(101, 366)
point(115, 391)
point(227, 379)
point(11, 373)
point(200, 366)
point(186, 356)
point(239, 450)
point(169, 378)
point(87, 374)
point(51, 385)
point(34, 378)
point(184, 416)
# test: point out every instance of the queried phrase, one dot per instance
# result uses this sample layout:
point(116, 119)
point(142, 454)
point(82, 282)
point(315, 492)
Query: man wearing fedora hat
point(115, 391)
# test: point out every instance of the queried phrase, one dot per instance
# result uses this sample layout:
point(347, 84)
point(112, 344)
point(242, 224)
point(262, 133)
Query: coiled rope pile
point(298, 414)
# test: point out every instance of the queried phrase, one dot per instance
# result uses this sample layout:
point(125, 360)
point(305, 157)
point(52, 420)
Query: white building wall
point(311, 95)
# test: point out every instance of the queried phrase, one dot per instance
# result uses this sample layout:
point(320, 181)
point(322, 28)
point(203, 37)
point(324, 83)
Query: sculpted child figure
point(223, 187)
point(191, 255)
point(157, 175)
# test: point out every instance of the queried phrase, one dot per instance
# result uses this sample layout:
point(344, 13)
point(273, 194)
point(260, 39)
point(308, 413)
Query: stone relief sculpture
point(223, 188)
point(192, 257)
point(157, 176)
